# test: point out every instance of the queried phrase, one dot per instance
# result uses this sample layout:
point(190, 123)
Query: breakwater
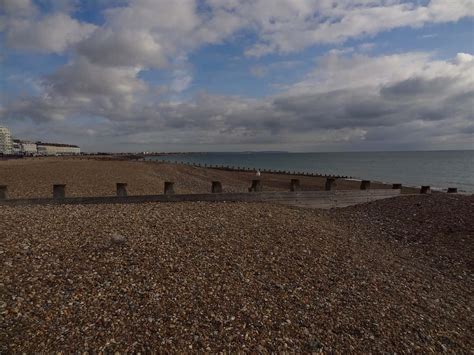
point(318, 199)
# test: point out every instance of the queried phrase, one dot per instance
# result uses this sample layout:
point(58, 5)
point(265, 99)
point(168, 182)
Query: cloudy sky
point(227, 75)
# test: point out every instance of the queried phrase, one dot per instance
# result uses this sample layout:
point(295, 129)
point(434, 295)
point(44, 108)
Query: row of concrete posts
point(59, 190)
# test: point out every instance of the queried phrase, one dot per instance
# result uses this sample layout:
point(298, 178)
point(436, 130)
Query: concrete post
point(3, 192)
point(451, 190)
point(169, 188)
point(122, 189)
point(425, 190)
point(256, 186)
point(396, 186)
point(295, 185)
point(365, 185)
point(59, 191)
point(216, 187)
point(330, 184)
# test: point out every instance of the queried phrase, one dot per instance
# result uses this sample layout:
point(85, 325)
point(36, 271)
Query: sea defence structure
point(3, 192)
point(314, 199)
point(216, 187)
point(330, 184)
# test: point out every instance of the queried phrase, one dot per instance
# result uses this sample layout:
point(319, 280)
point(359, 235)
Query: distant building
point(16, 146)
point(57, 149)
point(6, 144)
point(29, 148)
point(21, 147)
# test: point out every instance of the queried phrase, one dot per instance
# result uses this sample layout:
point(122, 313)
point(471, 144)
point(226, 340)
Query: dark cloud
point(414, 88)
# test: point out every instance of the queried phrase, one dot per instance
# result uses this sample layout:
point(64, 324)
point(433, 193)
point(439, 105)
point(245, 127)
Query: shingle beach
point(394, 275)
point(97, 177)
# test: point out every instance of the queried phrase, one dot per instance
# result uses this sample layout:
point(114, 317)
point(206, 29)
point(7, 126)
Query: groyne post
point(257, 186)
point(330, 184)
point(295, 185)
point(365, 185)
point(122, 189)
point(451, 190)
point(425, 190)
point(396, 186)
point(169, 188)
point(3, 192)
point(59, 191)
point(216, 187)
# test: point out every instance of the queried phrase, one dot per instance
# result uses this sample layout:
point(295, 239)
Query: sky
point(239, 75)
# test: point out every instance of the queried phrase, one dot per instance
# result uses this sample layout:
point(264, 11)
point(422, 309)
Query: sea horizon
point(286, 151)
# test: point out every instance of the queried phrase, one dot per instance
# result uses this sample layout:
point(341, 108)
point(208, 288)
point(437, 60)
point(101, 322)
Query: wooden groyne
point(243, 169)
point(316, 199)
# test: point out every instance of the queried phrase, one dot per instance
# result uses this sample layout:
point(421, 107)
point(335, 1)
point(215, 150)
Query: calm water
point(439, 169)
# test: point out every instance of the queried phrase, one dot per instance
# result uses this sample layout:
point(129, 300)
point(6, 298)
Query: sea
point(438, 169)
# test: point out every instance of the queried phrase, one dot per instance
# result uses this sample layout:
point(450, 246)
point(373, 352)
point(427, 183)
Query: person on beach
point(258, 173)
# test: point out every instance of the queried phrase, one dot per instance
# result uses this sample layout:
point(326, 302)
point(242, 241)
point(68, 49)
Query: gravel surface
point(235, 276)
point(95, 177)
point(439, 226)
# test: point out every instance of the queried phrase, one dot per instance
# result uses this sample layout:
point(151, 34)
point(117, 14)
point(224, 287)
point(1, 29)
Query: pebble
point(118, 239)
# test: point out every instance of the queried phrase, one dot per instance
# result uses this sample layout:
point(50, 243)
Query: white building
point(24, 147)
point(16, 146)
point(6, 145)
point(28, 148)
point(57, 149)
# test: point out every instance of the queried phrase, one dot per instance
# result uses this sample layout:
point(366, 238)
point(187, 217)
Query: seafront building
point(24, 147)
point(10, 146)
point(28, 147)
point(6, 144)
point(57, 149)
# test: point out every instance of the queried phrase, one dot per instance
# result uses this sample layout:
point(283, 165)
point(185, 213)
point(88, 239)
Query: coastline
point(440, 169)
point(97, 176)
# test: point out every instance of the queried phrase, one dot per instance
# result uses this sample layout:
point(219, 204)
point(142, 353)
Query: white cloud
point(158, 29)
point(123, 48)
point(82, 78)
point(337, 71)
point(52, 33)
point(291, 25)
point(152, 33)
point(464, 58)
point(17, 7)
point(181, 81)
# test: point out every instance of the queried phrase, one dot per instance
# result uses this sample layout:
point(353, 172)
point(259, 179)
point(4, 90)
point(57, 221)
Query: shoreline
point(150, 158)
point(85, 176)
point(443, 187)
